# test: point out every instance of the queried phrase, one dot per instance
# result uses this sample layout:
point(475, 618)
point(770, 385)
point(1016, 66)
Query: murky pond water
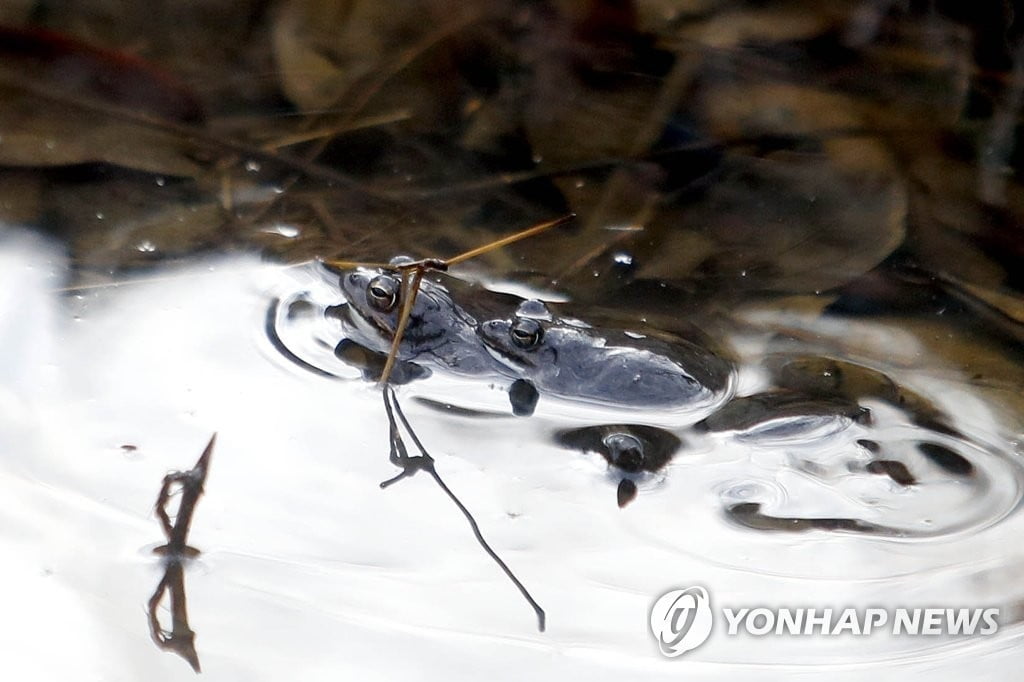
point(308, 567)
point(776, 356)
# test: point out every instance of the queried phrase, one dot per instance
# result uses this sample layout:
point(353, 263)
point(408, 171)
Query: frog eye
point(526, 333)
point(382, 293)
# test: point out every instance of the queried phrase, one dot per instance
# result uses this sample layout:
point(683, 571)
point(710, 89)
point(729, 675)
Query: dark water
point(826, 198)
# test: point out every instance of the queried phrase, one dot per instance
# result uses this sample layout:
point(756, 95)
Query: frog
point(634, 452)
point(439, 332)
point(577, 362)
point(607, 366)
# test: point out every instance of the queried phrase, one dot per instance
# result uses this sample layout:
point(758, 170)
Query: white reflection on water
point(310, 570)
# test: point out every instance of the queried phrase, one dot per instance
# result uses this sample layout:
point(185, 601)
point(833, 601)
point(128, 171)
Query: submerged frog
point(542, 355)
point(570, 359)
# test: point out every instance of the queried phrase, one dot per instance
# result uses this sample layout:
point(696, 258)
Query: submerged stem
point(424, 461)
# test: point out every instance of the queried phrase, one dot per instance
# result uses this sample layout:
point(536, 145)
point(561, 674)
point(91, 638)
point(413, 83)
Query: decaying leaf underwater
point(856, 161)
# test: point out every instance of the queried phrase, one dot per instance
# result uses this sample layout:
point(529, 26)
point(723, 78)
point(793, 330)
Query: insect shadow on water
point(176, 553)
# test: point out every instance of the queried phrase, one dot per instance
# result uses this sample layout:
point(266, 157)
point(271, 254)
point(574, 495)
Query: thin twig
point(180, 638)
point(505, 241)
point(410, 289)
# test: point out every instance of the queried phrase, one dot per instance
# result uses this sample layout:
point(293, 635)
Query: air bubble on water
point(286, 231)
point(252, 166)
point(146, 246)
point(623, 258)
point(741, 492)
point(99, 215)
point(534, 309)
point(161, 181)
